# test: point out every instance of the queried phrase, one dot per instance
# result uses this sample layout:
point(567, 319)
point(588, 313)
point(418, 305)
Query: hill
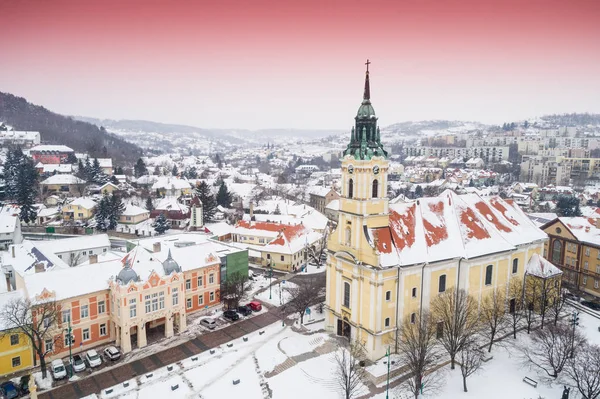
point(59, 129)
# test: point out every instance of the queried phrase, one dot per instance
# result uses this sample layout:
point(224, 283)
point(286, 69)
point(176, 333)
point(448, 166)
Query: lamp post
point(574, 322)
point(270, 277)
point(69, 332)
point(387, 387)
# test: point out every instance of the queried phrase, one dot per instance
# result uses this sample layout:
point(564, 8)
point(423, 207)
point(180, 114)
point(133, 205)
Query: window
point(201, 299)
point(584, 281)
point(91, 252)
point(268, 256)
point(375, 191)
point(442, 283)
point(199, 281)
point(439, 333)
point(47, 322)
point(346, 294)
point(387, 321)
point(101, 307)
point(84, 311)
point(188, 284)
point(596, 284)
point(598, 269)
point(515, 266)
point(413, 318)
point(261, 240)
point(161, 300)
point(66, 316)
point(102, 330)
point(211, 277)
point(69, 340)
point(211, 297)
point(350, 188)
point(348, 236)
point(147, 303)
point(132, 308)
point(85, 334)
point(488, 274)
point(104, 250)
point(388, 295)
point(60, 256)
point(175, 296)
point(512, 306)
point(188, 303)
point(556, 252)
point(155, 302)
point(414, 292)
point(49, 344)
point(282, 258)
point(587, 251)
point(84, 253)
point(14, 339)
point(16, 361)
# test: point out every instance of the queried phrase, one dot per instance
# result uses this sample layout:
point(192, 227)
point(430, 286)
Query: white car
point(112, 353)
point(208, 323)
point(78, 363)
point(93, 358)
point(59, 370)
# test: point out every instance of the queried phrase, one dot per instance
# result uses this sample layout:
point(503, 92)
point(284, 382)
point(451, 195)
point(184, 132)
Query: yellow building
point(386, 262)
point(79, 209)
point(16, 353)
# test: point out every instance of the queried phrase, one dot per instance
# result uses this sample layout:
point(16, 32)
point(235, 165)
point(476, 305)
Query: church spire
point(367, 93)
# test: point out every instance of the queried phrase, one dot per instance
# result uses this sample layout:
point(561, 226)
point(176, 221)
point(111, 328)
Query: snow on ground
point(173, 386)
point(279, 295)
point(259, 282)
point(313, 269)
point(298, 344)
point(45, 383)
point(247, 388)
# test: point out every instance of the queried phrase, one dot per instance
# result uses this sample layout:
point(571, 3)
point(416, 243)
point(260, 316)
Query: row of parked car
point(233, 314)
point(10, 390)
point(91, 359)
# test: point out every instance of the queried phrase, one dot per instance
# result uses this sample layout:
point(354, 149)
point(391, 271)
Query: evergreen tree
point(192, 173)
point(209, 204)
point(419, 192)
point(567, 206)
point(140, 168)
point(96, 174)
point(119, 170)
point(71, 158)
point(161, 224)
point(277, 210)
point(26, 190)
point(223, 196)
point(116, 208)
point(11, 167)
point(87, 170)
point(174, 171)
point(157, 171)
point(102, 214)
point(80, 170)
point(149, 204)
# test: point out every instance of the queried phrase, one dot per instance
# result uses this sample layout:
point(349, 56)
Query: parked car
point(255, 306)
point(112, 353)
point(208, 323)
point(572, 297)
point(24, 384)
point(93, 359)
point(58, 369)
point(231, 315)
point(244, 310)
point(9, 390)
point(78, 364)
point(591, 305)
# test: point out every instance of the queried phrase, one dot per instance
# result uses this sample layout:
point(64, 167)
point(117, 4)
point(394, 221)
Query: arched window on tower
point(557, 252)
point(350, 188)
point(375, 188)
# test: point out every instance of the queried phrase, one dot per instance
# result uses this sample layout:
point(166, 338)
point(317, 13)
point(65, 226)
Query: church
point(388, 261)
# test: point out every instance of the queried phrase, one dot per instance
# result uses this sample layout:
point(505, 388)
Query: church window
point(375, 189)
point(388, 295)
point(350, 188)
point(556, 252)
point(348, 236)
point(346, 294)
point(442, 283)
point(488, 274)
point(387, 321)
point(413, 318)
point(515, 268)
point(414, 292)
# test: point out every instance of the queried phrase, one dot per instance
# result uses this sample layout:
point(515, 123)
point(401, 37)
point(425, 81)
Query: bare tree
point(531, 297)
point(493, 315)
point(456, 315)
point(516, 308)
point(234, 288)
point(471, 361)
point(583, 371)
point(303, 294)
point(316, 252)
point(557, 304)
point(420, 353)
point(348, 370)
point(551, 348)
point(35, 320)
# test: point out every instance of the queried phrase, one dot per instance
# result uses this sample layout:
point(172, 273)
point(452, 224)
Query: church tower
point(354, 275)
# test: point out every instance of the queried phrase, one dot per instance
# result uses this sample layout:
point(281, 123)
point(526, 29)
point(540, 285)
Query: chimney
point(40, 268)
point(13, 250)
point(156, 247)
point(93, 259)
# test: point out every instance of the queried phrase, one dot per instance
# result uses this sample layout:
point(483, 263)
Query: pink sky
point(300, 64)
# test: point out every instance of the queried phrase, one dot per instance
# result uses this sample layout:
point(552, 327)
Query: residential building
point(15, 347)
point(10, 228)
point(75, 250)
point(172, 186)
point(80, 209)
point(574, 246)
point(176, 213)
point(15, 138)
point(133, 214)
point(63, 184)
point(108, 188)
point(50, 153)
point(387, 262)
point(320, 197)
point(489, 154)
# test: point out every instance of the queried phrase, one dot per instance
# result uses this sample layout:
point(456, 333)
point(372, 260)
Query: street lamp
point(387, 387)
point(574, 322)
point(69, 331)
point(270, 277)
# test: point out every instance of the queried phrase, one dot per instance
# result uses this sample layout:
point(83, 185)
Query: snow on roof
point(8, 223)
point(319, 191)
point(171, 204)
point(55, 167)
point(219, 229)
point(583, 229)
point(540, 267)
point(63, 179)
point(285, 238)
point(74, 244)
point(313, 220)
point(590, 211)
point(451, 226)
point(147, 179)
point(51, 148)
point(334, 205)
point(26, 255)
point(134, 210)
point(171, 183)
point(83, 202)
point(5, 299)
point(47, 212)
point(105, 162)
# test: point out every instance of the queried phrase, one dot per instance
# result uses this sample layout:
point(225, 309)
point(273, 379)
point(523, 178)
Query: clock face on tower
point(350, 169)
point(375, 169)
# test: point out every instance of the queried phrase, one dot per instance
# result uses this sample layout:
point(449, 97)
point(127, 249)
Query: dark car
point(591, 305)
point(244, 310)
point(231, 315)
point(9, 390)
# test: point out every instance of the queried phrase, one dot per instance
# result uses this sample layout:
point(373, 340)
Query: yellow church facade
point(388, 261)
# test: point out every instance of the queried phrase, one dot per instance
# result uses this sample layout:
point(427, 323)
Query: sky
point(300, 63)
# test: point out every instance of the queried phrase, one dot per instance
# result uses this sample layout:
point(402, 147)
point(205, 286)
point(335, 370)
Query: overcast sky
point(300, 63)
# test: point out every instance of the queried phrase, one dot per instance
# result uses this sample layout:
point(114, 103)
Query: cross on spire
point(367, 64)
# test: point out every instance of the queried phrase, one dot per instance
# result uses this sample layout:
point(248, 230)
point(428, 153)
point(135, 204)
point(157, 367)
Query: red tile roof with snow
point(398, 222)
point(485, 210)
point(289, 231)
point(473, 225)
point(383, 240)
point(498, 205)
point(435, 234)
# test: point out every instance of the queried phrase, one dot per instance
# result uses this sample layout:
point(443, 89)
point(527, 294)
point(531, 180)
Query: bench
point(531, 382)
point(487, 358)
